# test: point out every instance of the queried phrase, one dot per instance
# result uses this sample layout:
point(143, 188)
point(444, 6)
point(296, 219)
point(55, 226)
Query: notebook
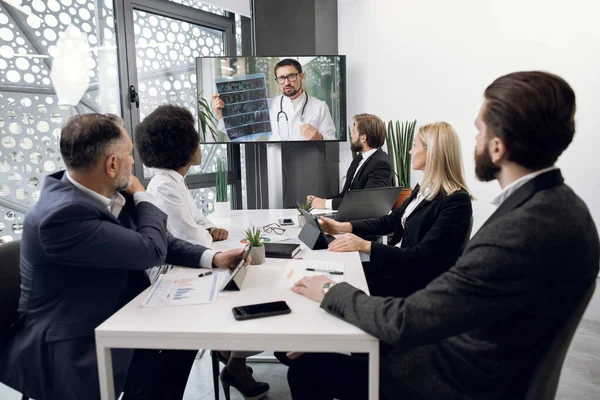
point(281, 250)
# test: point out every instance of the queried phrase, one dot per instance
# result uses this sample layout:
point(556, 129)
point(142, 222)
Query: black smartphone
point(260, 310)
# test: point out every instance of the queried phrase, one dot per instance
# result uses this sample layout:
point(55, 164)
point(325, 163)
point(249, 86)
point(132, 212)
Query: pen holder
point(258, 255)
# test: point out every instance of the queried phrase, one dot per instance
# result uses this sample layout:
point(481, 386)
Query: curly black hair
point(167, 138)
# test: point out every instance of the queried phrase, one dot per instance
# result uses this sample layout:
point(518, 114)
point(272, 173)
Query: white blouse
point(174, 199)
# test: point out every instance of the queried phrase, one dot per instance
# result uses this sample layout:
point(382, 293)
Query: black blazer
point(375, 172)
point(477, 331)
point(435, 235)
point(79, 265)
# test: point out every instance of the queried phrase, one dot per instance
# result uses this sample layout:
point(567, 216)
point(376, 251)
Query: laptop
point(366, 203)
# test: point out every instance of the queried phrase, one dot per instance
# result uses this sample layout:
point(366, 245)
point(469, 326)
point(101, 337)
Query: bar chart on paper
point(170, 291)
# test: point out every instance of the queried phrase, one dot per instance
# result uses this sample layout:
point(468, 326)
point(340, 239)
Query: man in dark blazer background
point(479, 330)
point(84, 250)
point(369, 169)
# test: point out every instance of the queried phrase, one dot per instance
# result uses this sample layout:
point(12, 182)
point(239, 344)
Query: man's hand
point(350, 242)
point(332, 226)
point(230, 259)
point(316, 202)
point(134, 186)
point(219, 234)
point(310, 132)
point(311, 287)
point(218, 105)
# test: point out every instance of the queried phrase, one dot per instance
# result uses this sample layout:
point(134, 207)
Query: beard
point(485, 169)
point(123, 180)
point(293, 92)
point(356, 147)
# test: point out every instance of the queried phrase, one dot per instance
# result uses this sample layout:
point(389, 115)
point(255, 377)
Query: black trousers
point(158, 374)
point(325, 376)
point(392, 280)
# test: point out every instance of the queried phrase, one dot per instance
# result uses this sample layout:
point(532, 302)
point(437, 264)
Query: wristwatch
point(326, 287)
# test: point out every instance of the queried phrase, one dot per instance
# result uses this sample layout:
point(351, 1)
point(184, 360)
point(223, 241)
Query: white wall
point(432, 59)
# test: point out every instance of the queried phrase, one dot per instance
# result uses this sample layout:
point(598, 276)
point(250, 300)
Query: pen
point(326, 271)
point(205, 274)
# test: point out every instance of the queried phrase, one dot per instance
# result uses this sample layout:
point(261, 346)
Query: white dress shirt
point(114, 204)
point(510, 189)
point(365, 155)
point(174, 199)
point(410, 208)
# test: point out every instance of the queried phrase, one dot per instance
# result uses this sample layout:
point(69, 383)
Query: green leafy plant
point(208, 121)
point(252, 234)
point(399, 143)
point(306, 206)
point(221, 180)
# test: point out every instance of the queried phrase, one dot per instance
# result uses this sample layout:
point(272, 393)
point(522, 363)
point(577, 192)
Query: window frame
point(128, 75)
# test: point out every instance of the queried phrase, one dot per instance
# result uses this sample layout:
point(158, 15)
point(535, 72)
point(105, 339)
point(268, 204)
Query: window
point(30, 119)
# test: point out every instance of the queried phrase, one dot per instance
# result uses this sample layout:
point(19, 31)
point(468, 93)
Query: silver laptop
point(366, 203)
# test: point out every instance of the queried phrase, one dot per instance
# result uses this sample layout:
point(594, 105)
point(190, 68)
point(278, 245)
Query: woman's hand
point(332, 226)
point(350, 242)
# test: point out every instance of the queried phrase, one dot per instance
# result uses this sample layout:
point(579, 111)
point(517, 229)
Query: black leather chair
point(10, 281)
point(545, 378)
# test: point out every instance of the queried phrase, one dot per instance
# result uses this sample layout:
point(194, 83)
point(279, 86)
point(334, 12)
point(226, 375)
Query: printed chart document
point(170, 290)
point(298, 269)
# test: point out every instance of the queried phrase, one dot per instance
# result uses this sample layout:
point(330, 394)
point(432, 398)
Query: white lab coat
point(316, 114)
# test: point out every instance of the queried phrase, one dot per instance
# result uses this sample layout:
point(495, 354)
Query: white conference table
point(307, 328)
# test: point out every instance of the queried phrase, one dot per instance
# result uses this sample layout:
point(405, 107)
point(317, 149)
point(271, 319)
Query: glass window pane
point(166, 51)
point(30, 117)
point(201, 6)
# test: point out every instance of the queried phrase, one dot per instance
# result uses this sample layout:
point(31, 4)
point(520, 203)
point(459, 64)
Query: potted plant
point(306, 206)
point(257, 251)
point(222, 206)
point(399, 143)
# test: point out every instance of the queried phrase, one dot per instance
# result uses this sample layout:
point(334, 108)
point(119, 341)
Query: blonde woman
point(430, 229)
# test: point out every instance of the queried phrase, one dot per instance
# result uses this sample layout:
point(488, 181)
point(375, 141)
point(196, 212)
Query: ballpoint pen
point(325, 271)
point(205, 274)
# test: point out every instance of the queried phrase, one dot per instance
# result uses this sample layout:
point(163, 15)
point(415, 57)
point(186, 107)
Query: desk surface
point(212, 325)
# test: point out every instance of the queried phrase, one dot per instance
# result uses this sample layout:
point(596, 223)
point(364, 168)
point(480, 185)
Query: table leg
point(105, 373)
point(374, 372)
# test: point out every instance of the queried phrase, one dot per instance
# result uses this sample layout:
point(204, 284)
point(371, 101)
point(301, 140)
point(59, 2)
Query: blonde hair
point(443, 170)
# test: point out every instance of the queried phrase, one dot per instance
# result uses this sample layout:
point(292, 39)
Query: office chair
point(545, 378)
point(10, 281)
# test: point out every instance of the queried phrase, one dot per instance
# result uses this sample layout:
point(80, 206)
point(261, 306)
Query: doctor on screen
point(294, 114)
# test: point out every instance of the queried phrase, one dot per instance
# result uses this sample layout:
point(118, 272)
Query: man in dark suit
point(84, 250)
point(478, 330)
point(370, 169)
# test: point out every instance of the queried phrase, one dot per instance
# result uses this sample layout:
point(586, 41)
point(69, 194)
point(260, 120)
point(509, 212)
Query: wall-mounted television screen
point(271, 99)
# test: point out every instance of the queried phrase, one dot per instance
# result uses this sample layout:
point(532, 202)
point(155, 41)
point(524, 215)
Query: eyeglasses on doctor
point(290, 78)
point(275, 228)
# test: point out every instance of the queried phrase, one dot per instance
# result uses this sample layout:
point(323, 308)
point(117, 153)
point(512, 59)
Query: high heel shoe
point(258, 391)
point(222, 358)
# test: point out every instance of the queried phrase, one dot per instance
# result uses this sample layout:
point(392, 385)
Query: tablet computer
point(236, 276)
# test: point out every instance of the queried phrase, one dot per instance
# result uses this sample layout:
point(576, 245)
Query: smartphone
point(285, 221)
point(260, 310)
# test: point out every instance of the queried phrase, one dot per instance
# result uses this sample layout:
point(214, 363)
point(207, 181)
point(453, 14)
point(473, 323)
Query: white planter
point(222, 209)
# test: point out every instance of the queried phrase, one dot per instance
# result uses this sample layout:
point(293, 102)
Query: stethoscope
point(287, 121)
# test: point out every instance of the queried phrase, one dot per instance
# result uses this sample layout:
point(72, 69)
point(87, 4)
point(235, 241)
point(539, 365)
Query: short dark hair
point(286, 62)
point(533, 113)
point(372, 126)
point(86, 138)
point(167, 137)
